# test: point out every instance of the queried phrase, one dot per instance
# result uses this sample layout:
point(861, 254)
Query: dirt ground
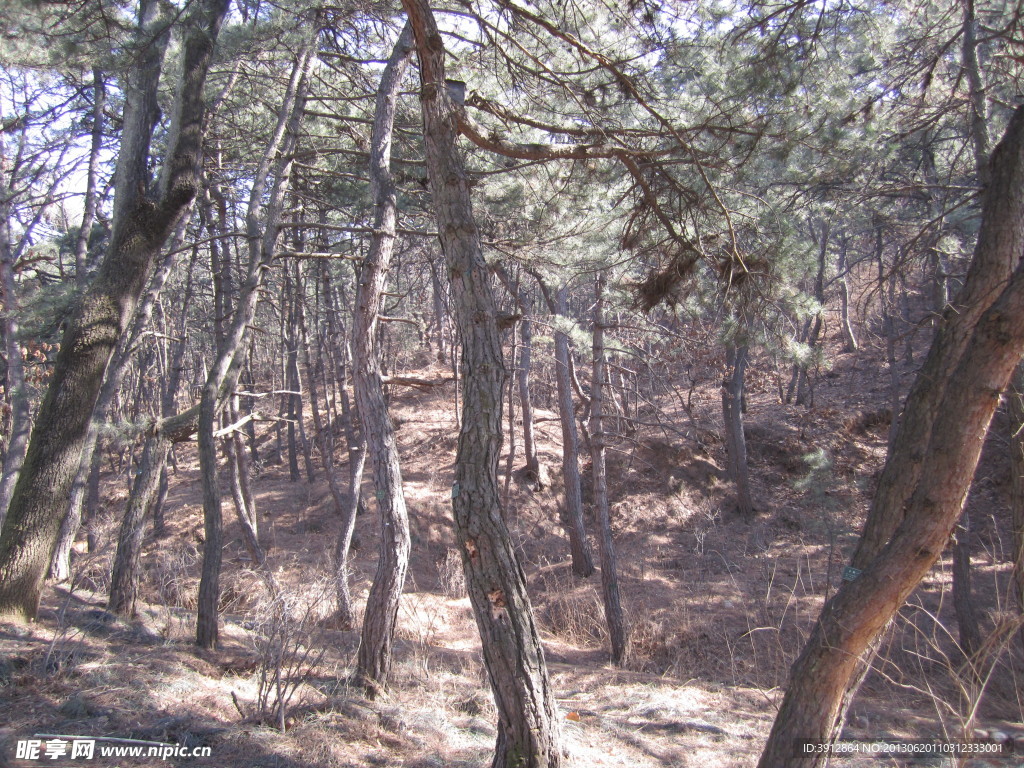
point(718, 607)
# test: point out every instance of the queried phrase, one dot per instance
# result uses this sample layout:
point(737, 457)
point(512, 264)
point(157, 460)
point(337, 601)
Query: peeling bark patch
point(497, 600)
point(471, 549)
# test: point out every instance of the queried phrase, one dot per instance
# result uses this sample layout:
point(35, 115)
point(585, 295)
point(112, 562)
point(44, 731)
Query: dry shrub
point(288, 644)
point(173, 574)
point(450, 574)
point(665, 648)
point(574, 614)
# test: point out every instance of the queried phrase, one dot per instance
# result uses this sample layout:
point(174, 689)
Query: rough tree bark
point(141, 225)
point(976, 357)
point(528, 731)
point(376, 645)
point(60, 562)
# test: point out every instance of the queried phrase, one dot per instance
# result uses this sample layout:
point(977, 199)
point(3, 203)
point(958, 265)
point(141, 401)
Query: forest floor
point(718, 607)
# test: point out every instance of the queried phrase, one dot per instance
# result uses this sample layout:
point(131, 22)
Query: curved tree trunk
point(528, 731)
point(976, 352)
point(140, 228)
point(377, 641)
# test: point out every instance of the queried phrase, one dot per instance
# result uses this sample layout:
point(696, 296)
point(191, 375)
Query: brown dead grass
point(718, 608)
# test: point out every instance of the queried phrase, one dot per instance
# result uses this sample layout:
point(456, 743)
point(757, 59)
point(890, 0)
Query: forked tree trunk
point(140, 228)
point(971, 361)
point(376, 647)
point(609, 567)
point(528, 730)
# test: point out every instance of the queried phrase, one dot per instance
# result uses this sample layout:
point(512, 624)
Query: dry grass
point(717, 611)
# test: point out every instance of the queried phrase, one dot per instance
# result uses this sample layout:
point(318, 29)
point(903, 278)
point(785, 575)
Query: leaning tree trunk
point(21, 418)
point(125, 575)
point(140, 228)
point(976, 357)
point(376, 647)
point(88, 466)
point(609, 568)
point(528, 731)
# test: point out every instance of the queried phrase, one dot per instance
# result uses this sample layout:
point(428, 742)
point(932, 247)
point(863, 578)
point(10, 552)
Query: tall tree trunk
point(377, 642)
point(966, 615)
point(345, 614)
point(440, 314)
point(849, 337)
point(124, 581)
point(976, 352)
point(609, 567)
point(99, 100)
point(21, 419)
point(140, 228)
point(528, 729)
point(263, 232)
point(522, 368)
point(804, 388)
point(735, 440)
point(582, 559)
